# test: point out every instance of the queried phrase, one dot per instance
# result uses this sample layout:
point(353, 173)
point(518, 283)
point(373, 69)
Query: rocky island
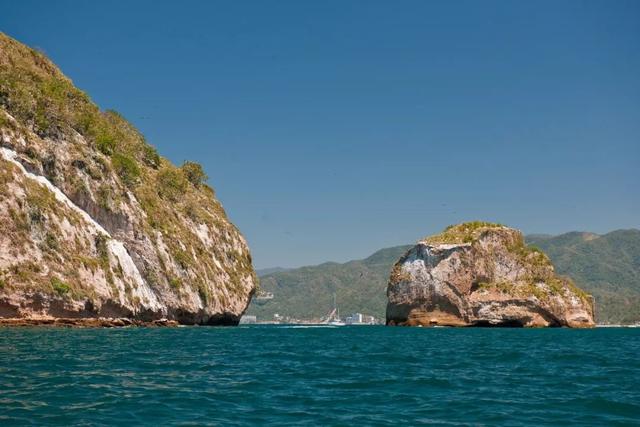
point(482, 274)
point(94, 224)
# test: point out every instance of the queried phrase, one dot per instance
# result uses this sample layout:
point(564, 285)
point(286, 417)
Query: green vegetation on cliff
point(466, 232)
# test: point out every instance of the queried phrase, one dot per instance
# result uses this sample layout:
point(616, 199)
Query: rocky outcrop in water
point(482, 274)
point(94, 223)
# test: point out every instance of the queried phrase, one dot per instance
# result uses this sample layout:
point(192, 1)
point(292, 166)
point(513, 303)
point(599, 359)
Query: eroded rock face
point(481, 274)
point(94, 223)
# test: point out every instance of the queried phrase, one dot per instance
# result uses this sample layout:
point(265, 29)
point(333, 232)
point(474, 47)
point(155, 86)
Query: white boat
point(333, 318)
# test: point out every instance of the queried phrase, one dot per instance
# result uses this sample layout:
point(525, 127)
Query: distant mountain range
point(607, 266)
point(265, 271)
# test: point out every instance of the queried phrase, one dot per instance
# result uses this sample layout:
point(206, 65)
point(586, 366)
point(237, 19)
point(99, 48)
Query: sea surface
point(351, 376)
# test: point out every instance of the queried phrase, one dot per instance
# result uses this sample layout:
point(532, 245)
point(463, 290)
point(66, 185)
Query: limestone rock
point(94, 223)
point(482, 274)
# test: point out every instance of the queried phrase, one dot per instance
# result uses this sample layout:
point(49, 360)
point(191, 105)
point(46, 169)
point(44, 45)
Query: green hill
point(307, 292)
point(607, 266)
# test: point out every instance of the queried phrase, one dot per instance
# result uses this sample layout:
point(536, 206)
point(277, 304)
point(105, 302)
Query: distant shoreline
point(123, 322)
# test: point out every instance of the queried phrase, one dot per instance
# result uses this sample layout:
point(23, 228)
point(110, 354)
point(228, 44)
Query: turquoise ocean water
point(261, 375)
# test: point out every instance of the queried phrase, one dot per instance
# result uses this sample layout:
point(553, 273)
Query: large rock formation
point(94, 223)
point(482, 274)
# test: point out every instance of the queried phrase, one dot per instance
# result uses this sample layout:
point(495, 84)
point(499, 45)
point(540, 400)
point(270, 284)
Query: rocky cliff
point(482, 274)
point(94, 223)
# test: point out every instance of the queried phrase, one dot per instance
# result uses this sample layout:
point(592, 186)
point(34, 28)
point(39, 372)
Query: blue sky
point(331, 129)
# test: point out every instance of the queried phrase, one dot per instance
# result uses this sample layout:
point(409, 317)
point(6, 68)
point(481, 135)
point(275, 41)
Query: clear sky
point(330, 129)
